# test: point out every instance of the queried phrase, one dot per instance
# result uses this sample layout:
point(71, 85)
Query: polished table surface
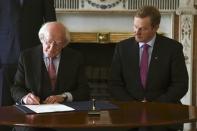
point(128, 115)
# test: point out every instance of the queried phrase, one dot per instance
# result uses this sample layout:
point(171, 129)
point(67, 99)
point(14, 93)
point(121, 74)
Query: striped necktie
point(52, 73)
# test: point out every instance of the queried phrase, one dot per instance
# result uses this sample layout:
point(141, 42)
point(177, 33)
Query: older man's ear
point(41, 37)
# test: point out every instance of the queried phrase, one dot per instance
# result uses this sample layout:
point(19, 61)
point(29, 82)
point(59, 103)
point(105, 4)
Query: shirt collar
point(150, 43)
point(45, 57)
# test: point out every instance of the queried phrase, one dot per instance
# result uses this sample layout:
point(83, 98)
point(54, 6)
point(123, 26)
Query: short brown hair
point(149, 11)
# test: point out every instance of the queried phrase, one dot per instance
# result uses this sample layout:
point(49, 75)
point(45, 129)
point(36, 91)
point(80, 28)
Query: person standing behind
point(33, 14)
point(58, 75)
point(148, 67)
point(20, 21)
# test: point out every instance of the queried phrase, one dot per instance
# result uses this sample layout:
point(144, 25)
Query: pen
point(36, 99)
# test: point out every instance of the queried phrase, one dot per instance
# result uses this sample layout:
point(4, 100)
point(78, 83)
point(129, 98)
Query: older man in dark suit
point(33, 81)
point(20, 21)
point(149, 67)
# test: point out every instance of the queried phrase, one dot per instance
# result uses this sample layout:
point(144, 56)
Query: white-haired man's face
point(53, 42)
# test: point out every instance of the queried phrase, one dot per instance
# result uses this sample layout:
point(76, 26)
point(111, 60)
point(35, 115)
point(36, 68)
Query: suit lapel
point(131, 55)
point(132, 63)
point(134, 57)
point(37, 68)
point(137, 67)
point(63, 67)
point(153, 66)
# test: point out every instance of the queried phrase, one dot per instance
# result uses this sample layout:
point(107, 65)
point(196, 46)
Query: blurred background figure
point(20, 21)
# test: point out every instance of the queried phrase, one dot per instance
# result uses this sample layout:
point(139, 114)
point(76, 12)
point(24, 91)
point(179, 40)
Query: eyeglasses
point(56, 44)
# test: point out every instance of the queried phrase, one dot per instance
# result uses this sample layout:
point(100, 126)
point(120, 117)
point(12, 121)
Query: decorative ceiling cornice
point(186, 7)
point(104, 4)
point(114, 5)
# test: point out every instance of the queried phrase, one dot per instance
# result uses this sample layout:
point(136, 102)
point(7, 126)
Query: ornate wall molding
point(186, 7)
point(104, 4)
point(187, 11)
point(186, 35)
point(113, 5)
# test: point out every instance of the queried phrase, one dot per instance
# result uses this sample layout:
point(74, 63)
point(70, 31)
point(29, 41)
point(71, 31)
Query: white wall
point(105, 22)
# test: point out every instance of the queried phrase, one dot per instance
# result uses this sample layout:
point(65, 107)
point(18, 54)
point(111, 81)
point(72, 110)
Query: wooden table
point(129, 115)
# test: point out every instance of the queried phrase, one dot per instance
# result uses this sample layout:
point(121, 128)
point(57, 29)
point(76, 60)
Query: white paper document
point(44, 108)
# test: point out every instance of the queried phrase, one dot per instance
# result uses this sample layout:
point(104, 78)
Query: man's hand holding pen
point(31, 99)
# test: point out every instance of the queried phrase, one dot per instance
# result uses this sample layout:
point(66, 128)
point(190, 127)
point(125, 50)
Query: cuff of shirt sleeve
point(67, 95)
point(21, 101)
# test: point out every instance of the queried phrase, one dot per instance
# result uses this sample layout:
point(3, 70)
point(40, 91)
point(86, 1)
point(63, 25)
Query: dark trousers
point(7, 73)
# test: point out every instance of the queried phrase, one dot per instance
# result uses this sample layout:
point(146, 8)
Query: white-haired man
point(33, 84)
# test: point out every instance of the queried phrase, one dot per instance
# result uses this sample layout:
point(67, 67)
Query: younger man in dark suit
point(33, 81)
point(148, 67)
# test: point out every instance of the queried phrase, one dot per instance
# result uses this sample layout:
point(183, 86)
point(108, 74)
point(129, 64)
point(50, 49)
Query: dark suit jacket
point(19, 26)
point(71, 74)
point(9, 42)
point(167, 79)
point(33, 14)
